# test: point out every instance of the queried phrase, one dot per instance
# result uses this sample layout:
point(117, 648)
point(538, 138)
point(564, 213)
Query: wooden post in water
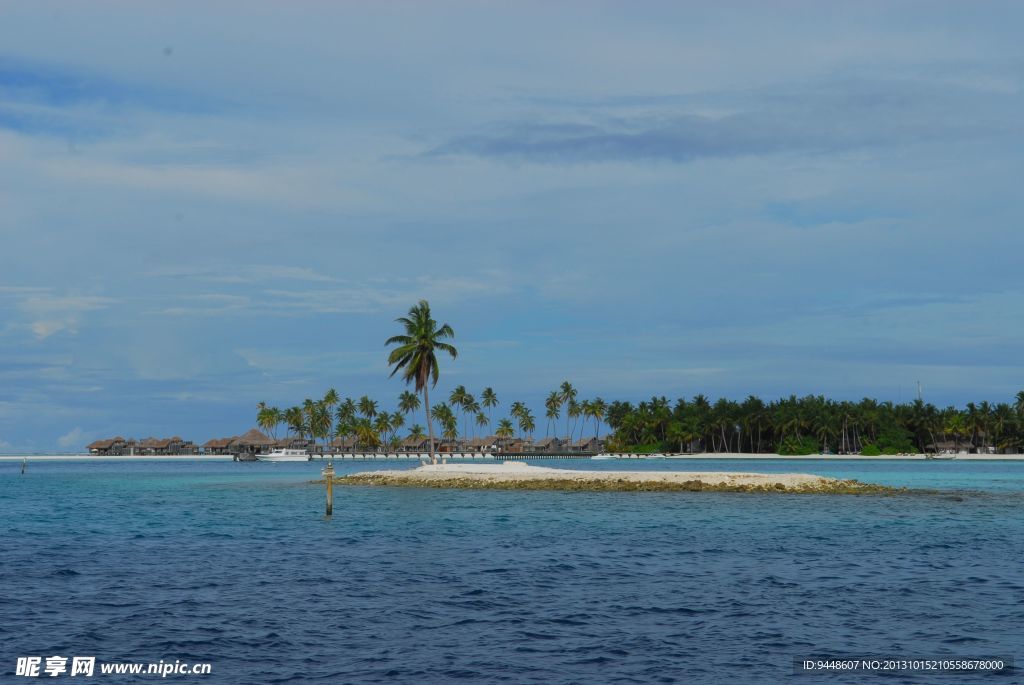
point(329, 479)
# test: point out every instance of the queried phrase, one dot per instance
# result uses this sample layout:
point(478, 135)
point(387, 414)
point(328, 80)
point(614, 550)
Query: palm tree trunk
point(430, 426)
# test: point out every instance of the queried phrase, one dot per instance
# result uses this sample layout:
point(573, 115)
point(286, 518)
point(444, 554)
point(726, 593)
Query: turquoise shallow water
point(233, 564)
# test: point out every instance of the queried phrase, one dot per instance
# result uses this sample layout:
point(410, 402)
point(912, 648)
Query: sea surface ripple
point(234, 564)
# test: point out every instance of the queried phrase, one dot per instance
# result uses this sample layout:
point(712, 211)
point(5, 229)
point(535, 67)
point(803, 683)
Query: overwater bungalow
point(250, 443)
point(415, 445)
point(488, 444)
point(217, 446)
point(166, 446)
point(551, 444)
point(293, 442)
point(343, 445)
point(586, 445)
point(110, 447)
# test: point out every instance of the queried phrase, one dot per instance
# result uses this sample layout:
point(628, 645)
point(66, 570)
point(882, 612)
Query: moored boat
point(285, 454)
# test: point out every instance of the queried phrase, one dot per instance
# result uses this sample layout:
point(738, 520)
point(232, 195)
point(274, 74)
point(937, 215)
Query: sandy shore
point(517, 475)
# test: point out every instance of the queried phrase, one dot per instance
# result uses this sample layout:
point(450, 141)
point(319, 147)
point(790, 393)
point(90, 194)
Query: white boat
point(285, 454)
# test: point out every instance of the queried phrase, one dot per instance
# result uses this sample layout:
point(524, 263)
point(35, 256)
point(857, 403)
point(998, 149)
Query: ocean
point(234, 564)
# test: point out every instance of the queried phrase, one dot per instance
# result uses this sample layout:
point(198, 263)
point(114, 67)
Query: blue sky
point(205, 205)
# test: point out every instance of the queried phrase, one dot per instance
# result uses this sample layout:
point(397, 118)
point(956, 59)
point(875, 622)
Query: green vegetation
point(812, 424)
point(794, 446)
point(789, 426)
point(415, 355)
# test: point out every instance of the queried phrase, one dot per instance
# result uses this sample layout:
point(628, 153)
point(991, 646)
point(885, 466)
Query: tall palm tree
point(567, 394)
point(574, 412)
point(457, 397)
point(526, 422)
point(597, 409)
point(481, 420)
point(330, 400)
point(552, 410)
point(471, 407)
point(416, 354)
point(489, 400)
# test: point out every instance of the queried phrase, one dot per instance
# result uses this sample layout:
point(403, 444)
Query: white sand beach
point(518, 472)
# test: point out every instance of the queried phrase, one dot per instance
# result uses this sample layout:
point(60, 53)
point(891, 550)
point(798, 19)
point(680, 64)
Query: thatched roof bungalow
point(217, 446)
point(487, 444)
point(586, 445)
point(251, 442)
point(551, 444)
point(108, 447)
point(415, 445)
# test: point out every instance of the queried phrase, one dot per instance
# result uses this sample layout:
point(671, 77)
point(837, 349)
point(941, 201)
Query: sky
point(204, 205)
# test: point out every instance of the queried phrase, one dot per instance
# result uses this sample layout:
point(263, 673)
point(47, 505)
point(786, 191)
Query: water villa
point(254, 441)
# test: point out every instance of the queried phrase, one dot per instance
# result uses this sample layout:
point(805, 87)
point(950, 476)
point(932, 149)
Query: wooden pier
point(457, 456)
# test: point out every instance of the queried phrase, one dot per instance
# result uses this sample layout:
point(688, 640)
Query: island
point(519, 476)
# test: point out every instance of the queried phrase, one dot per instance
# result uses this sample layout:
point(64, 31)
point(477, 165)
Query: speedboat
point(285, 454)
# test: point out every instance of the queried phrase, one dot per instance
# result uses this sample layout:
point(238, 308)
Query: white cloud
point(50, 314)
point(75, 437)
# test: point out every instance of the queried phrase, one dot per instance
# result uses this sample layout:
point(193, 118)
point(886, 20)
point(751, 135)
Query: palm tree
point(367, 407)
point(457, 397)
point(382, 425)
point(397, 421)
point(481, 420)
point(489, 400)
point(471, 407)
point(330, 400)
point(416, 354)
point(346, 418)
point(575, 411)
point(366, 434)
point(442, 413)
point(296, 420)
point(552, 410)
point(597, 409)
point(317, 419)
point(517, 410)
point(505, 429)
point(408, 402)
point(567, 394)
point(416, 432)
point(526, 422)
point(268, 418)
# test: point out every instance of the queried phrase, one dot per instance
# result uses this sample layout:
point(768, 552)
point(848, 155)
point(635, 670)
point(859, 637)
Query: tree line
point(813, 424)
point(463, 415)
point(791, 425)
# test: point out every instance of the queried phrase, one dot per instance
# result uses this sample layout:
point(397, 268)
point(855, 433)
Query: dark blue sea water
point(234, 564)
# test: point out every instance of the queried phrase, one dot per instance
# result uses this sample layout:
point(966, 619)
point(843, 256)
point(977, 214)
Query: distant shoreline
point(497, 458)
